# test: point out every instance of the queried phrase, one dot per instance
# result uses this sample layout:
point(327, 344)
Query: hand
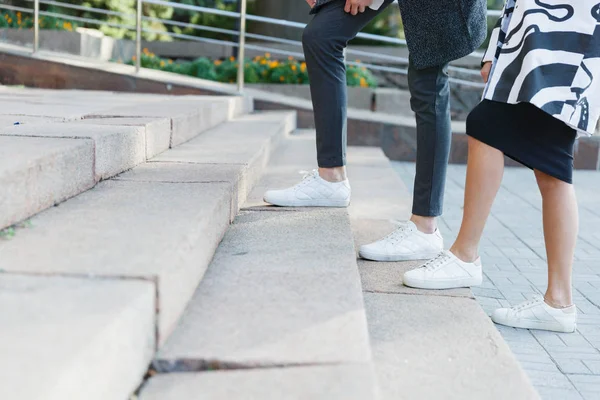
point(357, 6)
point(485, 71)
point(311, 3)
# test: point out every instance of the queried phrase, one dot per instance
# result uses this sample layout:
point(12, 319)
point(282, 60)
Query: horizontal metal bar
point(15, 8)
point(215, 11)
point(84, 8)
point(87, 20)
point(193, 38)
point(224, 31)
point(227, 43)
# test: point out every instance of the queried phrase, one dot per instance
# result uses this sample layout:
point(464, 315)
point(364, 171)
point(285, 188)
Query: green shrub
point(18, 20)
point(262, 69)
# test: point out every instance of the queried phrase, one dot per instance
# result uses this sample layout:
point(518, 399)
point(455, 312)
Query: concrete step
point(279, 293)
point(159, 224)
point(160, 221)
point(68, 338)
point(347, 382)
point(37, 173)
point(426, 344)
point(122, 130)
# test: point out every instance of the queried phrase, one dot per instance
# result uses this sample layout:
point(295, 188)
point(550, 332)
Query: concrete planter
point(361, 98)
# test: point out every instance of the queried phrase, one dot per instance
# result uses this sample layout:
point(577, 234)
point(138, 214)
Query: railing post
point(36, 25)
point(241, 47)
point(138, 37)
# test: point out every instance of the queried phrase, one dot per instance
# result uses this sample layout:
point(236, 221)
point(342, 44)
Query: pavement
point(561, 366)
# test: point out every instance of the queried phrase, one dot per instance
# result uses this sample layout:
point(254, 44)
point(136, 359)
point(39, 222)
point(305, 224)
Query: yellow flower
point(355, 75)
point(290, 58)
point(303, 67)
point(145, 51)
point(232, 58)
point(218, 62)
point(273, 64)
point(363, 82)
point(162, 64)
point(263, 62)
point(358, 61)
point(267, 55)
point(281, 78)
point(133, 58)
point(294, 68)
point(170, 61)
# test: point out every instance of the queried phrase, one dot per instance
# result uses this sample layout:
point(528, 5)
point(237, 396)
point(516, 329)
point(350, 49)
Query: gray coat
point(439, 31)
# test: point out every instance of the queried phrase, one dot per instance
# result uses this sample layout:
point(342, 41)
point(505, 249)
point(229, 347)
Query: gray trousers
point(324, 41)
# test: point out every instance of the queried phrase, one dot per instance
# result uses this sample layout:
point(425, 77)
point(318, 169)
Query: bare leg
point(424, 224)
point(336, 174)
point(485, 168)
point(561, 223)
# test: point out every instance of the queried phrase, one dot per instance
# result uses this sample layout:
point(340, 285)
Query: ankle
point(558, 300)
point(337, 174)
point(467, 255)
point(424, 224)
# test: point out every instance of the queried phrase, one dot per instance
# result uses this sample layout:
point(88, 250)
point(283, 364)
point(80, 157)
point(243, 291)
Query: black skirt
point(526, 134)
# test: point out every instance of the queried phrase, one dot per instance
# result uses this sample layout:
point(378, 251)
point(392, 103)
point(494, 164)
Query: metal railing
point(241, 34)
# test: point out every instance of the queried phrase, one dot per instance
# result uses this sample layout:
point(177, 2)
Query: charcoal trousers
point(324, 41)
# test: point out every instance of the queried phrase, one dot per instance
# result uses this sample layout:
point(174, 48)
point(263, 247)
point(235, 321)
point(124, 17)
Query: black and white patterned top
point(547, 53)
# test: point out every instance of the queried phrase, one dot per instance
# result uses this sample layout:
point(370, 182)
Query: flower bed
point(18, 20)
point(262, 69)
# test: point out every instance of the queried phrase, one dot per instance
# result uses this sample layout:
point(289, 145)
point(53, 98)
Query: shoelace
point(399, 234)
point(520, 307)
point(307, 176)
point(436, 262)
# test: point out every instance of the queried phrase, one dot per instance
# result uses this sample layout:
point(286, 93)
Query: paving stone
point(571, 366)
point(538, 366)
point(36, 173)
point(594, 366)
point(549, 379)
point(69, 338)
point(291, 383)
point(550, 393)
point(465, 359)
point(586, 384)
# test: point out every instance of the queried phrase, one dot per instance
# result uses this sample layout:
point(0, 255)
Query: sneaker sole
point(393, 258)
point(538, 325)
point(310, 203)
point(439, 285)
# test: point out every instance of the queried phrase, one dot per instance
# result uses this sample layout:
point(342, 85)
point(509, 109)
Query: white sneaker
point(405, 243)
point(313, 191)
point(537, 314)
point(445, 271)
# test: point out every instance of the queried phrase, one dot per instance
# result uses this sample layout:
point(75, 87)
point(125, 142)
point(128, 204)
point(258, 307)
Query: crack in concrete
point(202, 365)
point(163, 181)
point(429, 294)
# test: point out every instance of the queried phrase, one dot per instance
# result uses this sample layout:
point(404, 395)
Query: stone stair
point(55, 145)
point(280, 313)
point(93, 286)
point(164, 274)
